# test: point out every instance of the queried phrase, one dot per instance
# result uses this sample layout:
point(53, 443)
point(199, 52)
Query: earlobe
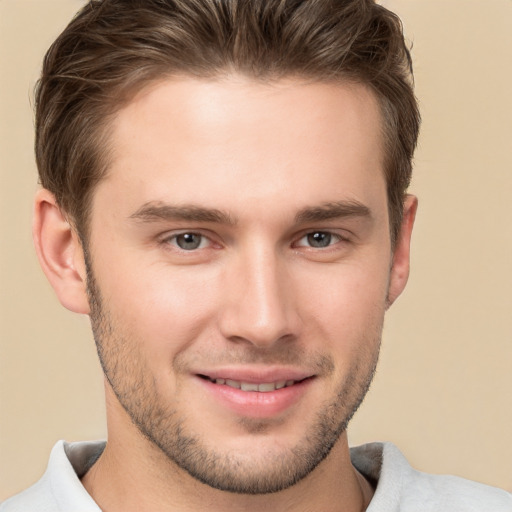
point(401, 254)
point(60, 253)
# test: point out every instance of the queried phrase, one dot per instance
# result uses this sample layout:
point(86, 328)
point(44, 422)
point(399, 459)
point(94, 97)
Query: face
point(239, 270)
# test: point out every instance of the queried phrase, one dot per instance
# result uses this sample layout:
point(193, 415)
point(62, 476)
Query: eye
point(318, 239)
point(188, 241)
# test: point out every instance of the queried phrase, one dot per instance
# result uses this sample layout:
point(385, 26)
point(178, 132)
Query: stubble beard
point(122, 362)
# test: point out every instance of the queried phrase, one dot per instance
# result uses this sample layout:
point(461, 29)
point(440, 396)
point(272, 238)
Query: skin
point(282, 185)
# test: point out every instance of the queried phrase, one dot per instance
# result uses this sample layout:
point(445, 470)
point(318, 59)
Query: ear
point(60, 253)
point(401, 254)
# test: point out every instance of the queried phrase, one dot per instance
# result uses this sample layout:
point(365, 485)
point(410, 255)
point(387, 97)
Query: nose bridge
point(259, 306)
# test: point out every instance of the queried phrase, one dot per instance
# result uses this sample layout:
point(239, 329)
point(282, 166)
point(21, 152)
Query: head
point(114, 48)
point(228, 183)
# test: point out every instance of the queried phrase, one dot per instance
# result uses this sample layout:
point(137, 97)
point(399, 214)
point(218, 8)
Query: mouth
point(255, 393)
point(261, 387)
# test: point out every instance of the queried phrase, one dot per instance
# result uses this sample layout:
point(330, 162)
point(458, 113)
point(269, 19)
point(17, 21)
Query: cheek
point(346, 289)
point(346, 305)
point(165, 309)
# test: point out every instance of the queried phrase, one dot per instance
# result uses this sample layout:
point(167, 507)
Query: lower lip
point(256, 404)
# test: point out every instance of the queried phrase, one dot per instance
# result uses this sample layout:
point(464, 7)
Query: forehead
point(238, 140)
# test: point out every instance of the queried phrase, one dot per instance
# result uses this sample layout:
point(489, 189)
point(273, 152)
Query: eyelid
point(213, 240)
point(337, 236)
point(168, 237)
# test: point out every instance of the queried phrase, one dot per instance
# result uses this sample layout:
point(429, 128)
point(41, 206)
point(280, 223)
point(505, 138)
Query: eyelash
point(333, 239)
point(173, 240)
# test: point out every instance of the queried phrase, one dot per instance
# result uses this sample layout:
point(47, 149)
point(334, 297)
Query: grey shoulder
point(37, 498)
point(454, 493)
point(60, 488)
point(402, 488)
point(434, 493)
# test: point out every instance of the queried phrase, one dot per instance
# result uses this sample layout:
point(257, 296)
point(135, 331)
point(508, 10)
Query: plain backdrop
point(443, 388)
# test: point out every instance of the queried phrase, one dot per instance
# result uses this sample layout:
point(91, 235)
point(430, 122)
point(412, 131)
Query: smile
point(255, 394)
point(264, 387)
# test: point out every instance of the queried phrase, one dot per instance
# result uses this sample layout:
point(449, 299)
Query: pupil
point(319, 239)
point(188, 241)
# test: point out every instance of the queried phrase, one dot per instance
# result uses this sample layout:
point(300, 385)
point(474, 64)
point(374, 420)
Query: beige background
point(443, 390)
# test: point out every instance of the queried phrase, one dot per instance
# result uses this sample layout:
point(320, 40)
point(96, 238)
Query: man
point(224, 193)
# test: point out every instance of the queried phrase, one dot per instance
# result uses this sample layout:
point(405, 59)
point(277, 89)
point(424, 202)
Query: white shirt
point(399, 487)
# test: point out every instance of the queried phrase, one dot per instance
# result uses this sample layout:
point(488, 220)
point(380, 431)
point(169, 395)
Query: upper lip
point(256, 375)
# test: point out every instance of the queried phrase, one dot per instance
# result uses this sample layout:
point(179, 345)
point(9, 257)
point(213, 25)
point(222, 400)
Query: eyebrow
point(154, 211)
point(333, 210)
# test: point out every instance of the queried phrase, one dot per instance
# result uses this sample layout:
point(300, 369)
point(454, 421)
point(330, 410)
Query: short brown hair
point(112, 48)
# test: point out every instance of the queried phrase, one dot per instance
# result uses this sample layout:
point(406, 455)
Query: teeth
point(267, 387)
point(245, 386)
point(251, 386)
point(233, 384)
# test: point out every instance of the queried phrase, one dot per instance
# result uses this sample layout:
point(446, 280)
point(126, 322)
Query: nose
point(260, 306)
